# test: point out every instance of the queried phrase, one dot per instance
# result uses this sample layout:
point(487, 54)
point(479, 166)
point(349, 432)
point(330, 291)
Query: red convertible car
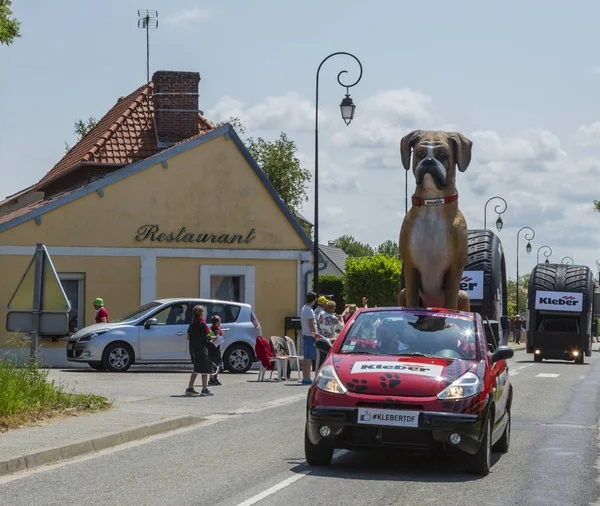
point(411, 379)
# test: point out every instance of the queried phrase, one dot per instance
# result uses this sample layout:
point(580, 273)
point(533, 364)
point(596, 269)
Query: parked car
point(413, 380)
point(156, 333)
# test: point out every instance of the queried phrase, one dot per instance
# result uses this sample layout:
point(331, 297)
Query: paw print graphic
point(390, 380)
point(357, 385)
point(365, 417)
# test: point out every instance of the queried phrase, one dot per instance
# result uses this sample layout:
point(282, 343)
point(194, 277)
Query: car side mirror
point(323, 345)
point(502, 353)
point(150, 322)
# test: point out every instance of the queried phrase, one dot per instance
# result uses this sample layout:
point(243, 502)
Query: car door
point(167, 340)
point(499, 372)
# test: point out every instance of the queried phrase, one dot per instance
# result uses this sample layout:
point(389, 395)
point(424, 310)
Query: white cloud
point(186, 17)
point(587, 135)
point(547, 187)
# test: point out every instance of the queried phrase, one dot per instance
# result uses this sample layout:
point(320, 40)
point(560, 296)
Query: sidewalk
point(147, 401)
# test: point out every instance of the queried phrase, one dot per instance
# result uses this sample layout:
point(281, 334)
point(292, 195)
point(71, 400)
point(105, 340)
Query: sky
point(520, 79)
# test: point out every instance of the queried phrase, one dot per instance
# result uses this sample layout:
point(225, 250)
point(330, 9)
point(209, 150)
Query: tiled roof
point(335, 255)
point(40, 203)
point(124, 135)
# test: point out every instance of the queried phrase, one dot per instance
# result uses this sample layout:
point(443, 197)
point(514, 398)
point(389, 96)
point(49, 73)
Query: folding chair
point(281, 356)
point(292, 354)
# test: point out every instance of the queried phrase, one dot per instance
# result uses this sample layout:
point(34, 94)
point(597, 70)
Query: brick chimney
point(175, 105)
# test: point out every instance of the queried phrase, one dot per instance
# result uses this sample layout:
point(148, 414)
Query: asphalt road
point(258, 458)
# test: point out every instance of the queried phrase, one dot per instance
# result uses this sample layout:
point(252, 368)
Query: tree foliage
point(10, 28)
point(389, 248)
point(352, 247)
point(597, 205)
point(511, 288)
point(376, 277)
point(81, 128)
point(332, 285)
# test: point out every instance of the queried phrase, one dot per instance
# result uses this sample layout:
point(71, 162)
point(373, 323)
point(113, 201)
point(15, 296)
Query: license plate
point(388, 417)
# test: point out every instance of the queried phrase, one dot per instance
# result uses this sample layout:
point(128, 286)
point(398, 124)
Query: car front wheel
point(319, 454)
point(118, 357)
point(503, 443)
point(481, 462)
point(238, 358)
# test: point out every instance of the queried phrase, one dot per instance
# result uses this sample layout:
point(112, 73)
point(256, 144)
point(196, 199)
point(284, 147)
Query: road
point(257, 458)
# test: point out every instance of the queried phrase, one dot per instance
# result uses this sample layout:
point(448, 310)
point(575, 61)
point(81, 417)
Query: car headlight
point(328, 381)
point(91, 335)
point(467, 385)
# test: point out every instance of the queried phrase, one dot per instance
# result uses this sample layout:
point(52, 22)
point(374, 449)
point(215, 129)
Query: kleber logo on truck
point(472, 283)
point(559, 301)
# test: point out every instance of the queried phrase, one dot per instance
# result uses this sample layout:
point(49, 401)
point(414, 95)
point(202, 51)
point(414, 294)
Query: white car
point(156, 333)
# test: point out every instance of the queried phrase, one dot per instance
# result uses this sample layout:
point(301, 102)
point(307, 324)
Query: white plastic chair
point(293, 355)
point(278, 360)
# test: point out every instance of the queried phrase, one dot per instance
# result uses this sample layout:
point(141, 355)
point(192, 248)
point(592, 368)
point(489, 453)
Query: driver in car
point(388, 339)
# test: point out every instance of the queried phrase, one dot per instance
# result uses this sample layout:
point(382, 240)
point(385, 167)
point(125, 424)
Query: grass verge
point(26, 396)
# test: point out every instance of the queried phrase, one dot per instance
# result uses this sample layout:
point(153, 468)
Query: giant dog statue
point(433, 238)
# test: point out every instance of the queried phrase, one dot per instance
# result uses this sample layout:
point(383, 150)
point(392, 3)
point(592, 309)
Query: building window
point(233, 283)
point(73, 285)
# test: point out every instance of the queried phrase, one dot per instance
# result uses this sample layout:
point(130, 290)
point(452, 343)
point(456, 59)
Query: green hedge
point(332, 285)
point(376, 277)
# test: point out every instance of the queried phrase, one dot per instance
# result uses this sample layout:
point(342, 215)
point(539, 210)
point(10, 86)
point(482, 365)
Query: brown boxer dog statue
point(433, 238)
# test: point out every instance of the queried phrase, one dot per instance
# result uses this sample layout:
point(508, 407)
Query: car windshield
point(412, 333)
point(137, 313)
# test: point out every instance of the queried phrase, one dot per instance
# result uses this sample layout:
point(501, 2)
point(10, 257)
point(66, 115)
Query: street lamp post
point(529, 237)
point(347, 109)
point(565, 261)
point(499, 222)
point(546, 253)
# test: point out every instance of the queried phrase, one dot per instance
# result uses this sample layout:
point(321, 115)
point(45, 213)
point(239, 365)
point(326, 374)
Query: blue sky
point(521, 79)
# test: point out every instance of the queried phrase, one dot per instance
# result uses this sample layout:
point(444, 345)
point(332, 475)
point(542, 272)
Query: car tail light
point(255, 322)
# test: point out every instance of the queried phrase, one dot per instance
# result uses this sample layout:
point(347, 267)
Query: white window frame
point(247, 271)
point(80, 278)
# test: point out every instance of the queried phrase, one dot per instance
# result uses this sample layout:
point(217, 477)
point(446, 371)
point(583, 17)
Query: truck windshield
point(559, 324)
point(414, 333)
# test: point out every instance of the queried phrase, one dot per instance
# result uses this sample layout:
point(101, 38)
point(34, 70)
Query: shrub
point(376, 277)
point(332, 285)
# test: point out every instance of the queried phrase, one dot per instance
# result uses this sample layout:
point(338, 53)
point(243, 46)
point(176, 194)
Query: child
point(216, 353)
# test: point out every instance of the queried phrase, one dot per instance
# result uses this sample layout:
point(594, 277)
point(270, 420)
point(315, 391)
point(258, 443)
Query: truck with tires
point(560, 310)
point(484, 280)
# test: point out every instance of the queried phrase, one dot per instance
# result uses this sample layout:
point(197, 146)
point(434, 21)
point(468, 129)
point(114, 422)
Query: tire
point(318, 455)
point(238, 358)
point(485, 253)
point(538, 358)
point(503, 444)
point(481, 462)
point(97, 366)
point(117, 357)
point(580, 359)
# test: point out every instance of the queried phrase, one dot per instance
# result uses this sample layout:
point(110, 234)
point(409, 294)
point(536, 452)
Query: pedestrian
point(101, 312)
point(198, 335)
point(307, 321)
point(215, 328)
point(518, 328)
point(320, 308)
point(328, 323)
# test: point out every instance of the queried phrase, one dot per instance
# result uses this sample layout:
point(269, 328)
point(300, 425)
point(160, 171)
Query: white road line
point(581, 377)
point(517, 370)
point(282, 484)
point(547, 375)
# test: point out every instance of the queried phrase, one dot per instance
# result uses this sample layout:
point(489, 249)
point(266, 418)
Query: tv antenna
point(147, 20)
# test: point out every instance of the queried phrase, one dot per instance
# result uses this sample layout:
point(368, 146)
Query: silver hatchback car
point(156, 333)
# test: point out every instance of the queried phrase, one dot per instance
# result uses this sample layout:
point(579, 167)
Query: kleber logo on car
point(430, 370)
point(559, 301)
point(472, 283)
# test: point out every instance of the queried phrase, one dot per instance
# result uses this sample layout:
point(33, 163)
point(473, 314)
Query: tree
point(376, 277)
point(9, 26)
point(511, 289)
point(280, 164)
point(352, 247)
point(332, 285)
point(81, 128)
point(597, 205)
point(389, 248)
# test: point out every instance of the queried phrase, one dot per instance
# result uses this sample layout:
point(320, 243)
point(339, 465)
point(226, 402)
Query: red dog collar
point(434, 202)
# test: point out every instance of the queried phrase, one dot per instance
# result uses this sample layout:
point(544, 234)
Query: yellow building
point(155, 202)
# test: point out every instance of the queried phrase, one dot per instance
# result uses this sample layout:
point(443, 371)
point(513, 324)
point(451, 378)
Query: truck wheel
point(580, 359)
point(486, 254)
point(538, 358)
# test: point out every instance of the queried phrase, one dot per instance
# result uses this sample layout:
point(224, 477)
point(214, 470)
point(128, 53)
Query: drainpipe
point(309, 272)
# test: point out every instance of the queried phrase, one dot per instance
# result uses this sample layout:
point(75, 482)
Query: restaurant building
point(156, 202)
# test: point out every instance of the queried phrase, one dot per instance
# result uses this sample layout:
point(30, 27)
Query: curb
point(79, 448)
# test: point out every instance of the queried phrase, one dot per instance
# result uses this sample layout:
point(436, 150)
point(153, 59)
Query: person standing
point(198, 335)
point(215, 328)
point(307, 321)
point(101, 312)
point(518, 329)
point(320, 308)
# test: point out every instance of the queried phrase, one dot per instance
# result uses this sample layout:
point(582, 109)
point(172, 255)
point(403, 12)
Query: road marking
point(282, 484)
point(517, 370)
point(210, 420)
point(547, 375)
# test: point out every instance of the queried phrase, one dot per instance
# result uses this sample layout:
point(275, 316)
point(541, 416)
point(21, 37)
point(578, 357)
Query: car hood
point(95, 328)
point(398, 376)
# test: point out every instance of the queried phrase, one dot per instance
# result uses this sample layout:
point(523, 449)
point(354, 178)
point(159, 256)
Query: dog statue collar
point(434, 202)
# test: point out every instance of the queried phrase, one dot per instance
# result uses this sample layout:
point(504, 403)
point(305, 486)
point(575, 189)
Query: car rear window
point(227, 312)
point(412, 333)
